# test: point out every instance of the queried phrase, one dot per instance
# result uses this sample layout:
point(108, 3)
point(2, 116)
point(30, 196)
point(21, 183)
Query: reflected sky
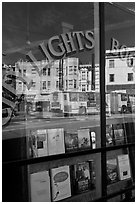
point(25, 25)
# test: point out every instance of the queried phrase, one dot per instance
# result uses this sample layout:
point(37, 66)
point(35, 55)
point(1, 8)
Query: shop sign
point(125, 54)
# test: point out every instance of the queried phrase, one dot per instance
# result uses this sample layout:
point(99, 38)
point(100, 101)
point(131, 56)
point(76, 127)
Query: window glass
point(120, 97)
point(52, 112)
point(56, 48)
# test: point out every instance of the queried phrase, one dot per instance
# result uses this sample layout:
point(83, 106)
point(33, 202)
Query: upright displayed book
point(84, 140)
point(83, 177)
point(112, 171)
point(124, 167)
point(93, 139)
point(42, 143)
point(38, 143)
point(56, 143)
point(71, 141)
point(40, 187)
point(109, 135)
point(60, 183)
point(119, 134)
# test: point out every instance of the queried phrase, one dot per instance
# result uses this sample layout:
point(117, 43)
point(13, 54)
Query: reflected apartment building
point(68, 75)
point(120, 70)
point(57, 76)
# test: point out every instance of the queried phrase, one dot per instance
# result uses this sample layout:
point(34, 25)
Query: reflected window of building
point(130, 62)
point(130, 76)
point(83, 87)
point(44, 85)
point(33, 71)
point(75, 83)
point(111, 63)
point(48, 71)
point(111, 78)
point(57, 84)
point(24, 72)
point(49, 83)
point(44, 71)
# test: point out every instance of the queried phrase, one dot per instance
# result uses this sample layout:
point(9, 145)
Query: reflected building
point(120, 70)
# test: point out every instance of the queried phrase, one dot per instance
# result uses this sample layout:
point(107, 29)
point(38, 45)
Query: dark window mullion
point(102, 98)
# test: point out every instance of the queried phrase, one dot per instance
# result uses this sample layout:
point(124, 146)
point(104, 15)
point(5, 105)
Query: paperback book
point(109, 135)
point(84, 140)
point(83, 177)
point(119, 134)
point(42, 143)
point(71, 141)
point(38, 143)
point(93, 139)
point(40, 187)
point(60, 183)
point(112, 171)
point(56, 143)
point(124, 167)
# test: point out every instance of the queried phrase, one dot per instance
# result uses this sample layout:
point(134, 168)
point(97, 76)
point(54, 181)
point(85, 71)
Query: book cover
point(83, 177)
point(84, 141)
point(71, 141)
point(60, 183)
point(124, 167)
point(56, 143)
point(38, 143)
point(93, 139)
point(112, 171)
point(119, 134)
point(109, 135)
point(40, 187)
point(42, 143)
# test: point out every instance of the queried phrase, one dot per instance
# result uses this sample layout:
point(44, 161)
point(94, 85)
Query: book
point(93, 139)
point(56, 143)
point(84, 141)
point(40, 187)
point(60, 183)
point(42, 143)
point(83, 177)
point(71, 141)
point(32, 143)
point(112, 171)
point(38, 143)
point(119, 136)
point(124, 167)
point(109, 135)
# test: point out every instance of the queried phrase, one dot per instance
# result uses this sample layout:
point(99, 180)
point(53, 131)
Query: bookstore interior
point(68, 101)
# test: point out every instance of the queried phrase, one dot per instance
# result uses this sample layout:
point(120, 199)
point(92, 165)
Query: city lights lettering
point(11, 104)
point(57, 47)
point(125, 54)
point(65, 44)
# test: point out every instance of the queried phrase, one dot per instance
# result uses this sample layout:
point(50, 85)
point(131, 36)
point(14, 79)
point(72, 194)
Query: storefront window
point(54, 143)
point(120, 97)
